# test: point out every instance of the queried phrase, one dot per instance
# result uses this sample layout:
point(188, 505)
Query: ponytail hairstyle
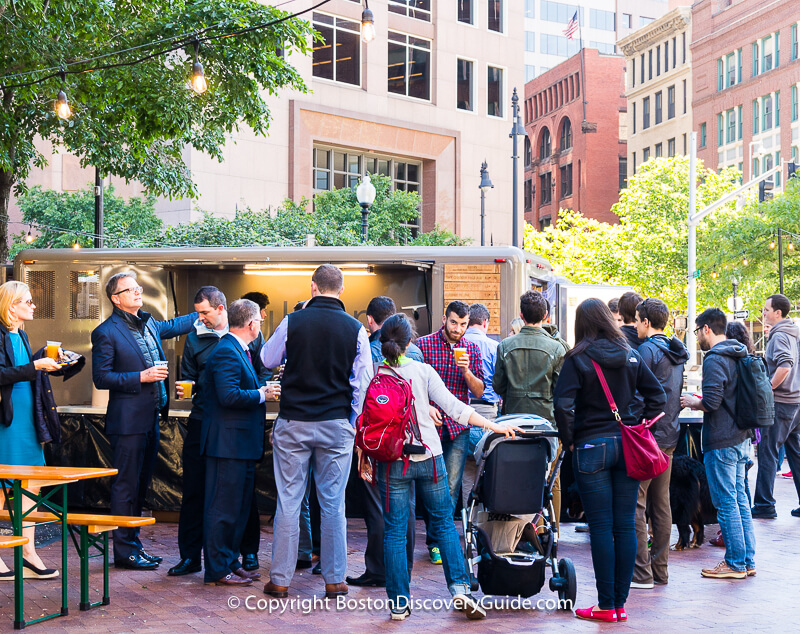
point(396, 333)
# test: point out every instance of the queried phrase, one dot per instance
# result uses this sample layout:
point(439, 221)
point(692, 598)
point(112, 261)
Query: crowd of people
point(318, 364)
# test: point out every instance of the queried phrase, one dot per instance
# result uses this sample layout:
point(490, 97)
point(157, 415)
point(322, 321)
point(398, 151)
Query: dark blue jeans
point(609, 500)
point(454, 454)
point(435, 497)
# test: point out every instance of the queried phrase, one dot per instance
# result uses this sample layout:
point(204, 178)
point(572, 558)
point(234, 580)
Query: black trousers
point(229, 492)
point(373, 516)
point(190, 524)
point(134, 457)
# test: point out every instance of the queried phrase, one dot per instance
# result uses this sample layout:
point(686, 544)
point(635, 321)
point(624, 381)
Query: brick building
point(746, 75)
point(565, 127)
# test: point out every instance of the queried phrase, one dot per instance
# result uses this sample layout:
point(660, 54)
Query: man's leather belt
point(480, 401)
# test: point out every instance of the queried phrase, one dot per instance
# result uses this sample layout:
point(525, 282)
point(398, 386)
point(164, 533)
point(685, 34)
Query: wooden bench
point(10, 541)
point(93, 530)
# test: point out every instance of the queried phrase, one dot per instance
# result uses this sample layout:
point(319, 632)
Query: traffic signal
point(792, 170)
point(765, 190)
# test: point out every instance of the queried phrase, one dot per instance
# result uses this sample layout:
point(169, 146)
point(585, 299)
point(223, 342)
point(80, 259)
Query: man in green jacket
point(527, 368)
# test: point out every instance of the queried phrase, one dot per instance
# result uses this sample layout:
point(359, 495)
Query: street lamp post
point(517, 129)
point(486, 185)
point(365, 194)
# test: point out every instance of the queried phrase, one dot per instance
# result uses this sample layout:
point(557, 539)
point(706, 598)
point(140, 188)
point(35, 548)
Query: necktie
point(249, 356)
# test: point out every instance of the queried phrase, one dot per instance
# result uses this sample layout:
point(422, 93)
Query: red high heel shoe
point(595, 614)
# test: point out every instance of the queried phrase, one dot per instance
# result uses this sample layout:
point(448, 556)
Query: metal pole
point(691, 338)
point(98, 210)
point(515, 184)
point(364, 225)
point(780, 260)
point(483, 219)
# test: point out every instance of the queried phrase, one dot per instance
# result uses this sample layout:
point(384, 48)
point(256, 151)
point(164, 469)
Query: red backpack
point(388, 420)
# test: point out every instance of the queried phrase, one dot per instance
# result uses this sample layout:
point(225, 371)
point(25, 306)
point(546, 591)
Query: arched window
point(566, 135)
point(544, 144)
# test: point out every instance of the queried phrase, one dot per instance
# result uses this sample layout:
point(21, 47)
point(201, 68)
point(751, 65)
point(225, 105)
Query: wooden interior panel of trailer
point(475, 283)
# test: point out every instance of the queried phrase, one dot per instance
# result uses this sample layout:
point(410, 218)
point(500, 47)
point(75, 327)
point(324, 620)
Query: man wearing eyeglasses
point(129, 362)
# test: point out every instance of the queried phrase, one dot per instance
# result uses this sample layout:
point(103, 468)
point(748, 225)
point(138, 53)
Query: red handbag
point(644, 460)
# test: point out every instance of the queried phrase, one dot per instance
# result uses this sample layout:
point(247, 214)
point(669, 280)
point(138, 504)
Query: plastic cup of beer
point(460, 354)
point(271, 383)
point(52, 349)
point(187, 389)
point(162, 364)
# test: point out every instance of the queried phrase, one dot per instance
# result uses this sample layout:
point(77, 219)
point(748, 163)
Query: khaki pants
point(651, 563)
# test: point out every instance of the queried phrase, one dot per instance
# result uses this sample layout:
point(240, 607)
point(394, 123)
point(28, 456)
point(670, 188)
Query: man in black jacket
point(665, 357)
point(726, 448)
point(627, 310)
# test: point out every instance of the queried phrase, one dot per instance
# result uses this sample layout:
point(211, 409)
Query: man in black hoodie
point(665, 357)
point(627, 310)
point(726, 448)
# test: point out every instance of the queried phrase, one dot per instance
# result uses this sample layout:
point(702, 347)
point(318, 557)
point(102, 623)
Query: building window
point(527, 192)
point(658, 107)
point(633, 72)
point(684, 96)
point(766, 105)
point(466, 11)
point(558, 45)
point(685, 146)
point(545, 185)
point(544, 144)
point(338, 55)
point(641, 67)
point(627, 21)
point(496, 15)
point(559, 12)
point(659, 150)
point(623, 172)
point(634, 117)
point(530, 41)
point(634, 162)
point(530, 72)
point(565, 176)
point(645, 113)
point(756, 116)
point(671, 147)
point(419, 9)
point(528, 152)
point(658, 61)
point(544, 222)
point(650, 64)
point(565, 143)
point(671, 102)
point(666, 56)
point(464, 90)
point(702, 135)
point(683, 37)
point(409, 66)
point(730, 121)
point(794, 103)
point(645, 155)
point(720, 130)
point(530, 8)
point(494, 92)
point(602, 20)
point(674, 52)
point(794, 52)
point(643, 21)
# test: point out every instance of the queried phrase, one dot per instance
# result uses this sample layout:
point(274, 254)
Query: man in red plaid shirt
point(461, 377)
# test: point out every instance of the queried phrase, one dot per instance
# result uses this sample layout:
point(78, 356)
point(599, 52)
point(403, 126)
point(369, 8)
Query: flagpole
point(583, 68)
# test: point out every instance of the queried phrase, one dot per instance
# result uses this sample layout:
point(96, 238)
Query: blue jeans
point(725, 472)
point(454, 454)
point(435, 498)
point(609, 498)
point(784, 434)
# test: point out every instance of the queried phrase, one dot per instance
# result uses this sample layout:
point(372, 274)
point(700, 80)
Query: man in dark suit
point(126, 353)
point(232, 440)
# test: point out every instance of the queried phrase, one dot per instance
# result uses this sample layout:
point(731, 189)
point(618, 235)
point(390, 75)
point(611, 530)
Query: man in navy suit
point(232, 440)
point(126, 349)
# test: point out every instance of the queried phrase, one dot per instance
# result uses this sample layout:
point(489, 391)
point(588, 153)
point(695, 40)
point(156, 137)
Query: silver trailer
point(68, 288)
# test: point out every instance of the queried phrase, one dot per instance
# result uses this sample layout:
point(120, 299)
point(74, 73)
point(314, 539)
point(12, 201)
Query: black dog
point(690, 501)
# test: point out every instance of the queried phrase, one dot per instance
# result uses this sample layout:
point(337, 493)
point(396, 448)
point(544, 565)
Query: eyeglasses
point(29, 302)
point(698, 329)
point(135, 289)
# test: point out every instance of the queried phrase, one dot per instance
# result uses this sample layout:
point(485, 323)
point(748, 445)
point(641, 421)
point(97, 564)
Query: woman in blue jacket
point(19, 443)
point(587, 426)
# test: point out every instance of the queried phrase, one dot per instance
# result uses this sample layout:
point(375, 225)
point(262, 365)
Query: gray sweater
point(719, 385)
point(782, 353)
point(427, 386)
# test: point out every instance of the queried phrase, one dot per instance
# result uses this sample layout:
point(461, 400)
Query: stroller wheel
point(568, 590)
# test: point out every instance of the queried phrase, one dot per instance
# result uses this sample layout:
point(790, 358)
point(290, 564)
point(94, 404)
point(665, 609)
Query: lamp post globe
point(365, 194)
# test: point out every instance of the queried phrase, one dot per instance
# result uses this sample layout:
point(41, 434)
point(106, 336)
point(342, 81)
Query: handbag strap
point(607, 391)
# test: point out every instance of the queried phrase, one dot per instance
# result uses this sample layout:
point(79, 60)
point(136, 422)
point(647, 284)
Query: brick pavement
point(151, 601)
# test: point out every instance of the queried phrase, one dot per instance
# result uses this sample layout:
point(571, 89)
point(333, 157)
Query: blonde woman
point(19, 444)
point(516, 325)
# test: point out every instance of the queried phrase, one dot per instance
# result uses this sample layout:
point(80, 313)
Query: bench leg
point(106, 599)
point(85, 604)
point(64, 532)
point(19, 599)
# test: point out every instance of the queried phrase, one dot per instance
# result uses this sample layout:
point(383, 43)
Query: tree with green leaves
point(136, 117)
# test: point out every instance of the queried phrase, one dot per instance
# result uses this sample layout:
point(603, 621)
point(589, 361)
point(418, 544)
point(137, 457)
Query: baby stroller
point(512, 481)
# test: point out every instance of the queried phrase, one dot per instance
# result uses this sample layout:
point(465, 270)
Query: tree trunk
point(6, 181)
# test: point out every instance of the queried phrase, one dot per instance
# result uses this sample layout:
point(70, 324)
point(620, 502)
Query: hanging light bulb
point(772, 244)
point(367, 24)
point(29, 237)
point(745, 261)
point(76, 245)
point(791, 245)
point(199, 83)
point(714, 274)
point(62, 106)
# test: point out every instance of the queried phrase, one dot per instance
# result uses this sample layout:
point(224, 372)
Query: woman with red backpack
point(426, 470)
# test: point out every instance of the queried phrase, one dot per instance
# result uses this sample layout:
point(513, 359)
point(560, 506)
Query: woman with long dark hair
point(587, 426)
point(428, 473)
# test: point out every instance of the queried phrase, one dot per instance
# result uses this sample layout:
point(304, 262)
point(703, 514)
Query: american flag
point(572, 26)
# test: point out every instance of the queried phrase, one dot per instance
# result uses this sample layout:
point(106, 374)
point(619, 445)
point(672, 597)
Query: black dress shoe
point(366, 579)
point(149, 557)
point(303, 564)
point(317, 570)
point(135, 561)
point(185, 567)
point(250, 562)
